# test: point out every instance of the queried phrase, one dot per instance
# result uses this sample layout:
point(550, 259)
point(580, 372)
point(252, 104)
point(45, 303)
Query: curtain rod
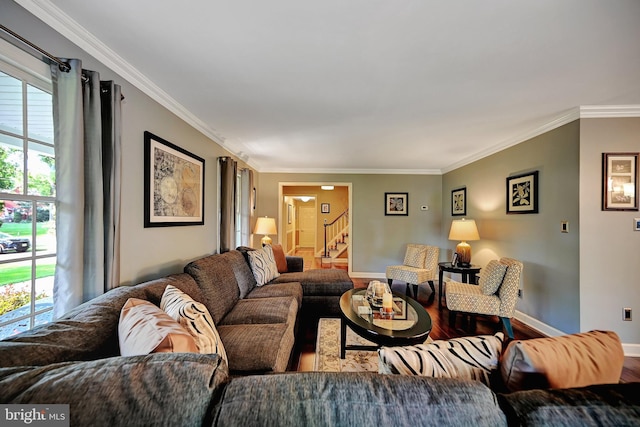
point(45, 56)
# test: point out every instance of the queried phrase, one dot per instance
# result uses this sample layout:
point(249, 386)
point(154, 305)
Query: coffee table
point(411, 326)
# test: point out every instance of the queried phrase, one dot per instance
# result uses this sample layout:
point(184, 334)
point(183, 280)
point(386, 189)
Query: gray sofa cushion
point(263, 310)
point(220, 278)
point(258, 347)
point(326, 281)
point(158, 389)
point(89, 331)
point(356, 399)
point(603, 405)
point(292, 289)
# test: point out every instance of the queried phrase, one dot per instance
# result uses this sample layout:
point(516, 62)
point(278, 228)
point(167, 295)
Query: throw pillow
point(473, 358)
point(195, 318)
point(567, 361)
point(491, 277)
point(280, 257)
point(263, 265)
point(415, 255)
point(144, 328)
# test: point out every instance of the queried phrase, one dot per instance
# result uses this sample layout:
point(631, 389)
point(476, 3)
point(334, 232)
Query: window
point(27, 198)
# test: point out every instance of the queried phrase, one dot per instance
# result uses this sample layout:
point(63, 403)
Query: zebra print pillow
point(195, 318)
point(471, 358)
point(263, 264)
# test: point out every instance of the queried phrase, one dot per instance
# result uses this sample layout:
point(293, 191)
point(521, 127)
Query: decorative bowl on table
point(375, 291)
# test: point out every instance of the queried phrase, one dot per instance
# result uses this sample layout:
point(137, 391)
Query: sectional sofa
point(76, 360)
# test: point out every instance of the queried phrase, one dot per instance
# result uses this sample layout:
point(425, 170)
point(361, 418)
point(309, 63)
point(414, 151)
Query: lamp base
point(464, 254)
point(266, 240)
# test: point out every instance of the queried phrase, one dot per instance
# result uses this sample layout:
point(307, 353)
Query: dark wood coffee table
point(409, 328)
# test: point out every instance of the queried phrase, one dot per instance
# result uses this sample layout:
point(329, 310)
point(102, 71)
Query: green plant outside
point(12, 300)
point(9, 275)
point(24, 228)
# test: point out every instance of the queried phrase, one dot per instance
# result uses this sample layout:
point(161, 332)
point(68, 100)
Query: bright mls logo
point(34, 415)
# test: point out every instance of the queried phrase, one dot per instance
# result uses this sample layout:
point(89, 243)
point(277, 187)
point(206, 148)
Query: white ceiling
point(364, 85)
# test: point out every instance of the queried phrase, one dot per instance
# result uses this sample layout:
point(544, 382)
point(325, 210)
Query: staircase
point(336, 238)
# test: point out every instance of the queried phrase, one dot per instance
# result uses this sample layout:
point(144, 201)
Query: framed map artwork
point(173, 184)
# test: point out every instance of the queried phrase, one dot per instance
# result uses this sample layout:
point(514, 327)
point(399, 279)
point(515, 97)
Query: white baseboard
point(365, 275)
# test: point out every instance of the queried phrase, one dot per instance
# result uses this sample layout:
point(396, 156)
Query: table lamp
point(265, 226)
point(463, 230)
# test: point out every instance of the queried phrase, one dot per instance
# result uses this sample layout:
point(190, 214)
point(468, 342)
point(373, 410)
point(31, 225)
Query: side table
point(468, 276)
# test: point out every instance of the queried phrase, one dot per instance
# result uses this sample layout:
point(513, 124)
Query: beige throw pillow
point(144, 328)
point(491, 277)
point(195, 318)
point(567, 361)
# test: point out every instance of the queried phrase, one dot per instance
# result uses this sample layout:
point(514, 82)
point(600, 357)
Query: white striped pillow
point(263, 265)
point(195, 318)
point(471, 358)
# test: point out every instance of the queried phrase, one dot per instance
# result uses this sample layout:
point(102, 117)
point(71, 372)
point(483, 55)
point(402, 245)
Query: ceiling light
point(305, 199)
point(327, 187)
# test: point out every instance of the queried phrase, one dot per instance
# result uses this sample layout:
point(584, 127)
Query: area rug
point(328, 350)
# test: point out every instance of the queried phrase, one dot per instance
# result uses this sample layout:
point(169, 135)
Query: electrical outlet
point(519, 293)
point(626, 314)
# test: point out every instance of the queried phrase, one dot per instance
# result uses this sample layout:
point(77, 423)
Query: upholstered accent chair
point(495, 295)
point(420, 265)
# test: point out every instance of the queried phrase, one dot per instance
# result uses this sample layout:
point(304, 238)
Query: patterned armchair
point(496, 293)
point(420, 265)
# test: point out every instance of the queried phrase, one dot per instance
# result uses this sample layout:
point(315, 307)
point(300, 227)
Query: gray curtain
point(87, 121)
point(228, 171)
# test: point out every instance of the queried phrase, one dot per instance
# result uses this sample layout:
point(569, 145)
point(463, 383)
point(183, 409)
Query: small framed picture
point(636, 224)
point(396, 204)
point(454, 259)
point(459, 201)
point(619, 181)
point(325, 208)
point(522, 193)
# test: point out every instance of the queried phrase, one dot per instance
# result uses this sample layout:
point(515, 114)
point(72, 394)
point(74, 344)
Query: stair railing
point(336, 225)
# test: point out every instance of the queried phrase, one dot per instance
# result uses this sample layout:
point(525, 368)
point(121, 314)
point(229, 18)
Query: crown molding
point(51, 15)
point(355, 171)
point(609, 111)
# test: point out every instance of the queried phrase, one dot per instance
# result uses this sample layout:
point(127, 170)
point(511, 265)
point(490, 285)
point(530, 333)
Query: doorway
point(304, 210)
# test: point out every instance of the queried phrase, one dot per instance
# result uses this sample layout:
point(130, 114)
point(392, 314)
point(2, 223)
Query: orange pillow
point(567, 361)
point(144, 328)
point(281, 259)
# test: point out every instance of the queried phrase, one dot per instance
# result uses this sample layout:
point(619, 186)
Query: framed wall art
point(619, 181)
point(522, 193)
point(396, 204)
point(325, 208)
point(173, 184)
point(459, 201)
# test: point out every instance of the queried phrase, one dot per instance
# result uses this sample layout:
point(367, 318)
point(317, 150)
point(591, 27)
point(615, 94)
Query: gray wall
point(551, 279)
point(152, 252)
point(609, 247)
point(378, 240)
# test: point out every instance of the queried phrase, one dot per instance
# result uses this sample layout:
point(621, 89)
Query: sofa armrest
point(160, 388)
point(294, 263)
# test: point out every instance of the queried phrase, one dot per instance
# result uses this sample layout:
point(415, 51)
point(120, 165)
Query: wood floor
point(304, 354)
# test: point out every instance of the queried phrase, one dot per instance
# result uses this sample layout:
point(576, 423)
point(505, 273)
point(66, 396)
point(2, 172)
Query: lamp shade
point(265, 226)
point(463, 230)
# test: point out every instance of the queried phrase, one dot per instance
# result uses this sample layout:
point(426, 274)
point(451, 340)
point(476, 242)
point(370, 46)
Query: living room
point(573, 281)
point(580, 261)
